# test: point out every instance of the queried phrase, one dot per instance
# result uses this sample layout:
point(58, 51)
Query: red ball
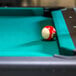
point(48, 32)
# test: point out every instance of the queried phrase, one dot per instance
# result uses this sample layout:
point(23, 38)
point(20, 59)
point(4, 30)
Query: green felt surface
point(64, 38)
point(21, 36)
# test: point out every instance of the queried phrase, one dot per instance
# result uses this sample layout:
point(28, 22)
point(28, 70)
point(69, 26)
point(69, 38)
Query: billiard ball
point(48, 32)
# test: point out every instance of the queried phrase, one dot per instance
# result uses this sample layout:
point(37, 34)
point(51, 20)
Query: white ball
point(45, 33)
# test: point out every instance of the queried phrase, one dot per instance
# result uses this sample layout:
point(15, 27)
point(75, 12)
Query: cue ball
point(48, 32)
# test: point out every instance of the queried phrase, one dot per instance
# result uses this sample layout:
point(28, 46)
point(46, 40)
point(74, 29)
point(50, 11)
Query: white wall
point(50, 3)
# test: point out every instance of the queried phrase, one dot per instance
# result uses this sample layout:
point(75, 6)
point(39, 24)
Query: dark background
point(10, 3)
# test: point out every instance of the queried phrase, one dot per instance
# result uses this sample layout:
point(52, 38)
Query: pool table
point(24, 51)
